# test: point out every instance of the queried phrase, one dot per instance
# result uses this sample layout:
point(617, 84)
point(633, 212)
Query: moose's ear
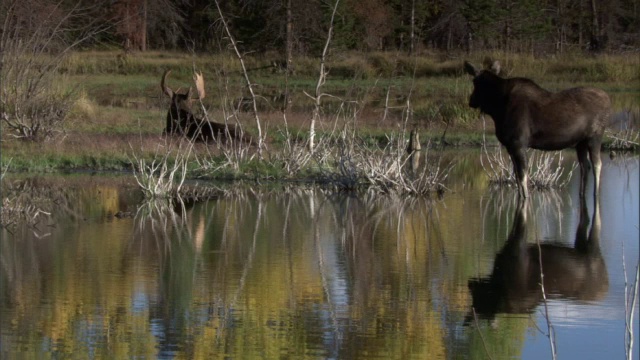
point(495, 67)
point(470, 69)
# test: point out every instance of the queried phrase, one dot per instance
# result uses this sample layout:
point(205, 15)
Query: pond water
point(298, 272)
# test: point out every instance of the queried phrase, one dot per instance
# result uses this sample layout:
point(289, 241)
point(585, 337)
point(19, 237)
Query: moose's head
point(487, 86)
point(180, 113)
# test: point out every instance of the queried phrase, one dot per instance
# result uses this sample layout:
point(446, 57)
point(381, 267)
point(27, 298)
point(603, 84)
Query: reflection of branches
point(289, 252)
point(548, 202)
point(325, 282)
point(249, 261)
point(629, 307)
point(160, 214)
point(484, 343)
point(24, 203)
point(550, 330)
point(248, 264)
point(626, 166)
point(502, 202)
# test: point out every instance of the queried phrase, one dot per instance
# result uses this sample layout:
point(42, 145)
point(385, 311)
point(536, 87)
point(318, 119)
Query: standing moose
point(528, 116)
point(182, 121)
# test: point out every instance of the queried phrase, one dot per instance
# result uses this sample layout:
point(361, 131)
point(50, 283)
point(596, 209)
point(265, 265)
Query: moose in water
point(182, 121)
point(528, 116)
point(574, 272)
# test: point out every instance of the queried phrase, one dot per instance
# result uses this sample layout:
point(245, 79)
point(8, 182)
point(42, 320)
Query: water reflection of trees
point(62, 199)
point(292, 271)
point(302, 264)
point(285, 271)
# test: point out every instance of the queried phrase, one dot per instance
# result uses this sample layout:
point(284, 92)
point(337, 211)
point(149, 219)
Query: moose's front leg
point(519, 160)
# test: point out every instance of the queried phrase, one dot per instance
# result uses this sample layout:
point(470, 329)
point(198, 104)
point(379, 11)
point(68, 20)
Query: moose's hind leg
point(581, 150)
point(586, 151)
point(596, 163)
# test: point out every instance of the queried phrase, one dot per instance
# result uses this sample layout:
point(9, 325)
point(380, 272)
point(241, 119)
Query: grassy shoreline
point(119, 109)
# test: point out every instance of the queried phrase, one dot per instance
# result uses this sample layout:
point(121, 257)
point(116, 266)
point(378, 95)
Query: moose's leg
point(169, 128)
point(207, 131)
point(519, 160)
point(583, 226)
point(582, 151)
point(596, 162)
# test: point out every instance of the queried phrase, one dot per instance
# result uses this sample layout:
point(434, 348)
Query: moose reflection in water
point(182, 121)
point(514, 286)
point(528, 116)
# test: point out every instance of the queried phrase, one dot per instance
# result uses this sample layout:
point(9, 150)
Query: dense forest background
point(299, 27)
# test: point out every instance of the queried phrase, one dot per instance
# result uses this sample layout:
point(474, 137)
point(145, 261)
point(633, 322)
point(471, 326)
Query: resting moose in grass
point(528, 116)
point(182, 121)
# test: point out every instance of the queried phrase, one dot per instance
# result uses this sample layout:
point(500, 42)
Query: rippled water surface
point(298, 272)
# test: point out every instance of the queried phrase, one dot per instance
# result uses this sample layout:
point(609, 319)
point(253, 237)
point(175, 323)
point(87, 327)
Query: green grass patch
point(120, 104)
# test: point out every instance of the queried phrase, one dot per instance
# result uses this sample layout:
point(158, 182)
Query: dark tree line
point(299, 27)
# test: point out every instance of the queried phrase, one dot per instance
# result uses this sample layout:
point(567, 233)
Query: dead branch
point(246, 78)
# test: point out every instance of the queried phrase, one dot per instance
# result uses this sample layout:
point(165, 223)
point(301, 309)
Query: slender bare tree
point(254, 102)
point(321, 80)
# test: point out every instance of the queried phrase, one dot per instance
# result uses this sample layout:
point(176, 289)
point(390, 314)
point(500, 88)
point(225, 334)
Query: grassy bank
point(374, 99)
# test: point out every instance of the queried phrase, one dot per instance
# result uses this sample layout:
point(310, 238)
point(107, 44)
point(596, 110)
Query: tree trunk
point(413, 27)
point(143, 26)
point(507, 28)
point(580, 25)
point(321, 80)
point(595, 28)
point(560, 30)
point(289, 41)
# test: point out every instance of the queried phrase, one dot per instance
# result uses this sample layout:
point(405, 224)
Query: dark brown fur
point(528, 116)
point(182, 121)
point(577, 272)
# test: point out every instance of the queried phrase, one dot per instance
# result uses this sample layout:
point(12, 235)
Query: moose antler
point(199, 80)
point(165, 88)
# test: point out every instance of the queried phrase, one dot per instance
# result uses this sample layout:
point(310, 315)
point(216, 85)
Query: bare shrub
point(294, 157)
point(39, 116)
point(545, 171)
point(165, 173)
point(235, 151)
point(386, 168)
point(35, 38)
point(626, 139)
